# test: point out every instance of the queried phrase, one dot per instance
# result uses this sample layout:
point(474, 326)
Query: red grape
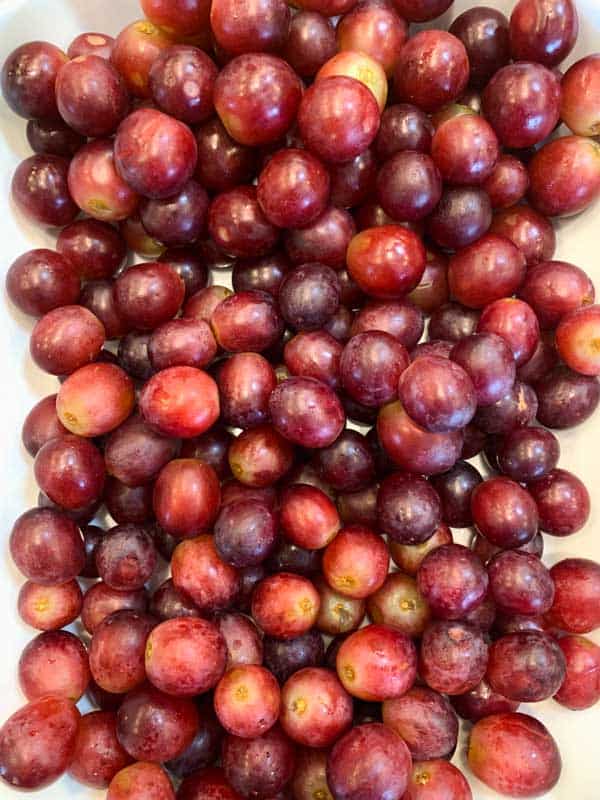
point(338, 118)
point(514, 754)
point(310, 42)
point(377, 663)
point(98, 756)
point(134, 51)
point(369, 760)
point(544, 31)
point(426, 722)
point(580, 88)
point(49, 608)
point(257, 96)
point(41, 192)
point(522, 104)
point(37, 742)
point(262, 27)
point(432, 70)
point(574, 163)
point(247, 701)
point(180, 401)
point(54, 663)
point(28, 78)
point(199, 572)
point(91, 96)
point(141, 781)
point(96, 185)
point(40, 281)
point(185, 656)
point(86, 44)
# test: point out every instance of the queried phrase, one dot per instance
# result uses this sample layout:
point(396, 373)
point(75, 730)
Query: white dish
point(22, 384)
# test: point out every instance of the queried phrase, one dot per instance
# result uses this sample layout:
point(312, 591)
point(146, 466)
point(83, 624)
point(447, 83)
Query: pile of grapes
point(226, 476)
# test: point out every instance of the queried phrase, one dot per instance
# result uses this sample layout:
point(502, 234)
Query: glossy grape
point(256, 97)
point(370, 759)
point(547, 42)
point(28, 79)
point(521, 102)
point(426, 722)
point(40, 190)
point(432, 70)
point(484, 33)
point(338, 118)
point(37, 742)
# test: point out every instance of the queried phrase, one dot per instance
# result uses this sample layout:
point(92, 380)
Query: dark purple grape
point(40, 281)
point(223, 163)
point(264, 273)
point(403, 127)
point(346, 465)
point(133, 355)
point(286, 656)
point(288, 557)
point(188, 263)
point(426, 722)
point(53, 137)
point(409, 186)
point(527, 454)
point(486, 550)
point(212, 448)
point(310, 43)
point(454, 489)
point(41, 192)
point(462, 217)
point(566, 398)
point(408, 508)
point(309, 296)
point(453, 322)
point(127, 504)
point(482, 701)
point(28, 79)
point(181, 81)
point(205, 747)
point(354, 181)
point(245, 533)
point(259, 767)
point(516, 409)
point(178, 220)
point(488, 361)
point(168, 602)
point(484, 33)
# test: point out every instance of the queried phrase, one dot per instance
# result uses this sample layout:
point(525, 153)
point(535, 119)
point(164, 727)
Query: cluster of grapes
point(244, 138)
